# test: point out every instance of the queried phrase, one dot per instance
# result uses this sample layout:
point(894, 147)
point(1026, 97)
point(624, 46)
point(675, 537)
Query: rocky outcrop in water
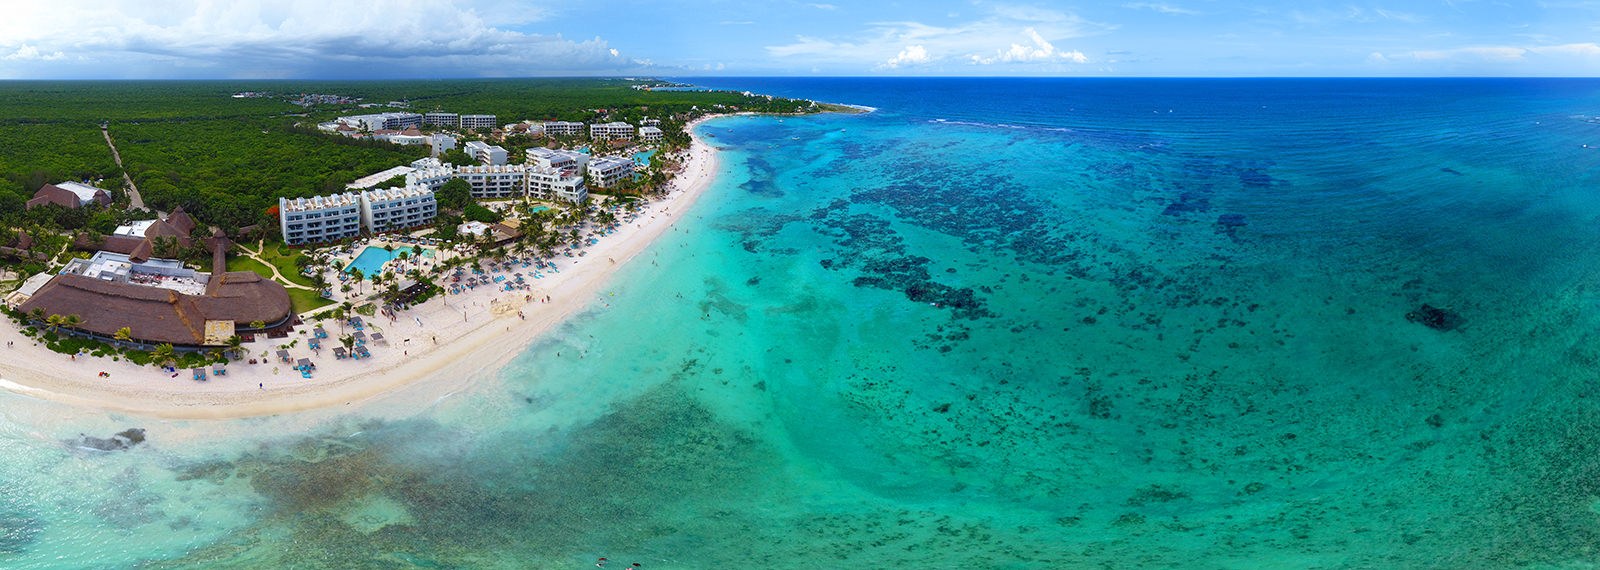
point(1435, 318)
point(120, 441)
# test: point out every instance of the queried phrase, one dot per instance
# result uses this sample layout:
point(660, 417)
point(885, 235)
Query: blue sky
point(512, 38)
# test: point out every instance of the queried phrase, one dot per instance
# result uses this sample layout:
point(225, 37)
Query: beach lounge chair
point(283, 355)
point(377, 337)
point(219, 371)
point(200, 374)
point(338, 353)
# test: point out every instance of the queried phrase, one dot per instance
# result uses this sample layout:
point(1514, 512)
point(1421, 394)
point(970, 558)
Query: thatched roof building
point(157, 315)
point(69, 194)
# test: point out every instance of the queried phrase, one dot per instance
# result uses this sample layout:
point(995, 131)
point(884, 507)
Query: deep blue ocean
point(995, 323)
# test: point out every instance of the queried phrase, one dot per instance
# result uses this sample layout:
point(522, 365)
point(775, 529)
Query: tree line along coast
point(208, 261)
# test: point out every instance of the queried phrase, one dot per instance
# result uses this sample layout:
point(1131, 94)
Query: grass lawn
point(242, 263)
point(285, 264)
point(301, 299)
point(306, 300)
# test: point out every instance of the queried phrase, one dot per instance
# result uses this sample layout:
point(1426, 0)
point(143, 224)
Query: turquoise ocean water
point(994, 324)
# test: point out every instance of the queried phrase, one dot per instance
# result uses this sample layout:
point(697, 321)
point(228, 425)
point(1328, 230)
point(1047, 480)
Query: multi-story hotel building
point(609, 171)
point(495, 181)
point(649, 134)
point(443, 119)
point(477, 122)
point(557, 184)
point(430, 178)
point(397, 208)
point(320, 219)
point(611, 131)
point(563, 128)
point(557, 158)
point(383, 121)
point(485, 153)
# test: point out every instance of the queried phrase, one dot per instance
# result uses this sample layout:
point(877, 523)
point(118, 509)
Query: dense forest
point(230, 172)
point(227, 160)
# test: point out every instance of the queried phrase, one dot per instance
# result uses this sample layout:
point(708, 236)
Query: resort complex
point(393, 255)
point(550, 174)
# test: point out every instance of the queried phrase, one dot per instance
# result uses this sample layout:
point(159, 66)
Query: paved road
point(134, 199)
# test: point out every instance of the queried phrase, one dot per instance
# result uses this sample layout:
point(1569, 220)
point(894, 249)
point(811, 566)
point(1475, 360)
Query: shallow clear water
point(996, 324)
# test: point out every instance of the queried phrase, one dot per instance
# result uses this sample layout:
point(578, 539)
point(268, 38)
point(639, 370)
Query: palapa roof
point(158, 315)
point(181, 220)
point(52, 194)
point(141, 251)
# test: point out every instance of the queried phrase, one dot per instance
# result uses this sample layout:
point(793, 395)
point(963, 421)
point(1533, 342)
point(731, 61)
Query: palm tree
point(37, 313)
point(162, 353)
point(72, 321)
point(54, 323)
point(235, 342)
point(258, 325)
point(359, 276)
point(348, 341)
point(124, 334)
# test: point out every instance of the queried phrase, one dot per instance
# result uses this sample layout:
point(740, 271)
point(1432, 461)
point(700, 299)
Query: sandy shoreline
point(446, 342)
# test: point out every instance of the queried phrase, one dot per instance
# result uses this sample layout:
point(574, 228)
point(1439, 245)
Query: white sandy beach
point(446, 342)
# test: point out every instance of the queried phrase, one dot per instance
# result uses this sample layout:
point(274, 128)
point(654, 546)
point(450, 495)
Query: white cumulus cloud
point(1039, 50)
point(27, 52)
point(880, 43)
point(912, 55)
point(293, 38)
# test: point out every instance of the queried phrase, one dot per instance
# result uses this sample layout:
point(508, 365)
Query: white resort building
point(485, 153)
point(611, 131)
point(320, 219)
point(477, 121)
point(563, 128)
point(495, 181)
point(610, 171)
point(397, 208)
point(430, 178)
point(442, 119)
point(649, 134)
point(382, 121)
point(441, 143)
point(556, 184)
point(556, 158)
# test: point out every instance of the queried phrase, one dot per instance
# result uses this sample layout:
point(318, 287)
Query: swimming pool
point(643, 157)
point(537, 209)
point(371, 260)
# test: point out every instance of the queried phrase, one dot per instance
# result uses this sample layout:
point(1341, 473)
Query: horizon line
point(808, 76)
